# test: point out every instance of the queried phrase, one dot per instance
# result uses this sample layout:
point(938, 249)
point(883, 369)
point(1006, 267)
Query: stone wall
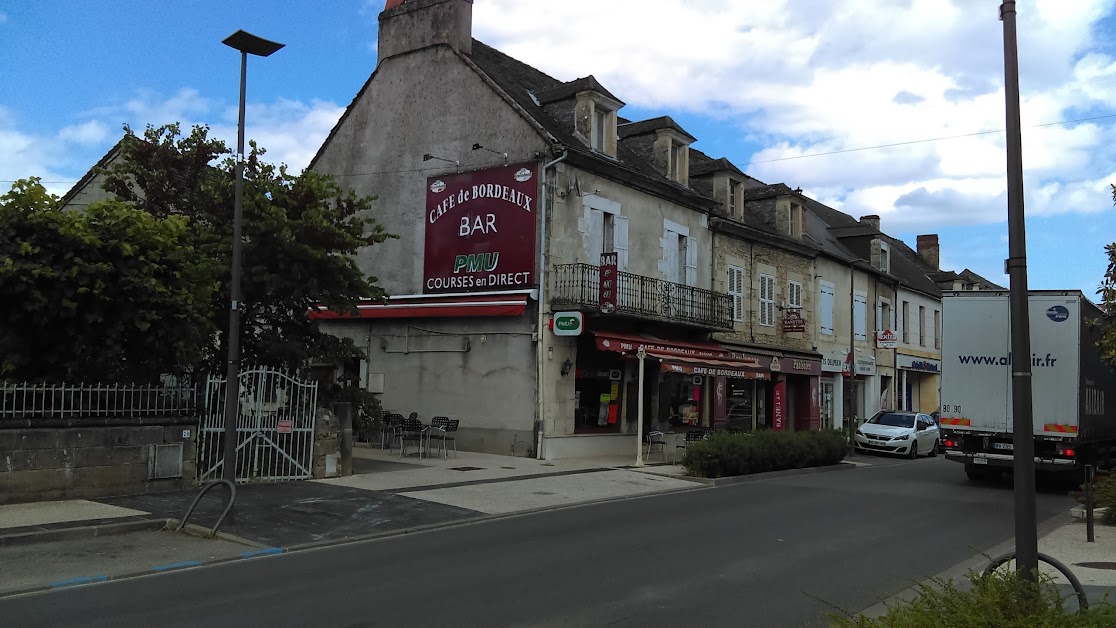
point(327, 445)
point(92, 458)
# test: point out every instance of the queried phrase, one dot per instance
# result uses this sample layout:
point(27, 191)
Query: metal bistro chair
point(392, 422)
point(443, 429)
point(692, 436)
point(410, 431)
point(655, 438)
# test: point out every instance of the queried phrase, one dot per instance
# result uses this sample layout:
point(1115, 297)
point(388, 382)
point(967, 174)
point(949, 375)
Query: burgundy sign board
point(607, 281)
point(480, 230)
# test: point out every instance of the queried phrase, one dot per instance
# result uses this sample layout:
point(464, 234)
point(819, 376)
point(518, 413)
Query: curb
point(63, 534)
point(755, 477)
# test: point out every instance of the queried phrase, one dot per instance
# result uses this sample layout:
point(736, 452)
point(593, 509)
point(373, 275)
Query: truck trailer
point(1073, 425)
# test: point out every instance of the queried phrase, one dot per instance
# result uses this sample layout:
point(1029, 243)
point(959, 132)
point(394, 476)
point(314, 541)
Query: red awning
point(436, 306)
point(697, 358)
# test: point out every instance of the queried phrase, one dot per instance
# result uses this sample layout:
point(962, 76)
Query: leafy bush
point(725, 454)
point(1001, 599)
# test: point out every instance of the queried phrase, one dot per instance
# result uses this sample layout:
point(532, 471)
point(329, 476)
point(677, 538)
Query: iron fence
point(578, 285)
point(25, 400)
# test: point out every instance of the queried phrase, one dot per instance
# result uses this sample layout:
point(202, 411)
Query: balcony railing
point(578, 285)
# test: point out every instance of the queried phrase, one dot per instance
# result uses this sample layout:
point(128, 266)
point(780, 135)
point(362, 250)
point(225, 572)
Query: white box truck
point(1073, 425)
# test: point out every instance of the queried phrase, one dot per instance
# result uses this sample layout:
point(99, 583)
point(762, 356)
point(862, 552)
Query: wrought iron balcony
point(578, 285)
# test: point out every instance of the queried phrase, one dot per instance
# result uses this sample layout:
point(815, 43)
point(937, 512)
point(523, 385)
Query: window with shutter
point(860, 315)
point(691, 262)
point(620, 241)
point(596, 236)
point(794, 294)
point(767, 301)
point(736, 291)
point(825, 308)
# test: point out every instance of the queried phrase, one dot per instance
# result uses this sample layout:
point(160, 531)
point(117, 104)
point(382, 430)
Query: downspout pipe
point(852, 357)
point(540, 324)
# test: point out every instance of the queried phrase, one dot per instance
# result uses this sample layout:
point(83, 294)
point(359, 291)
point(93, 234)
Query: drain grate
point(1097, 565)
point(507, 468)
point(542, 493)
point(466, 468)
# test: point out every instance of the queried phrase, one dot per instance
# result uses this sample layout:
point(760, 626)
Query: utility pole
point(1026, 529)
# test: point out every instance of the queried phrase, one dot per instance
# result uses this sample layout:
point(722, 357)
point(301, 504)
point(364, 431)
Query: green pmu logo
point(476, 262)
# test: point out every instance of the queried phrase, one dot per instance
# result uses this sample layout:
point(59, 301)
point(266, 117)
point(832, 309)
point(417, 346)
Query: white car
point(910, 433)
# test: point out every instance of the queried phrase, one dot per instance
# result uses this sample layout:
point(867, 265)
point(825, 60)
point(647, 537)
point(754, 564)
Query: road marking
point(58, 584)
point(266, 551)
point(188, 563)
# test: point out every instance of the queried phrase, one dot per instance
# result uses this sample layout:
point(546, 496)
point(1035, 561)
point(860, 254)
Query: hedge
point(725, 454)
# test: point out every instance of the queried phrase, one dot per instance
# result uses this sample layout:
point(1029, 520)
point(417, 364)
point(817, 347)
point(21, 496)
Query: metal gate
point(274, 427)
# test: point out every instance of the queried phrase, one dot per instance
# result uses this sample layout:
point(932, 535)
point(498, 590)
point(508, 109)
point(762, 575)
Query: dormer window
point(885, 257)
point(678, 169)
point(732, 203)
point(600, 127)
point(796, 221)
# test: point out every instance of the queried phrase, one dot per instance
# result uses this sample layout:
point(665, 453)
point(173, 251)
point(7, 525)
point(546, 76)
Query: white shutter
point(825, 309)
point(670, 255)
point(620, 236)
point(596, 236)
point(860, 316)
point(691, 262)
point(736, 289)
point(879, 316)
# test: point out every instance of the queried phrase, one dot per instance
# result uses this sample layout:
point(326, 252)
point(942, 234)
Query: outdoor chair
point(442, 429)
point(692, 436)
point(655, 438)
point(392, 422)
point(410, 431)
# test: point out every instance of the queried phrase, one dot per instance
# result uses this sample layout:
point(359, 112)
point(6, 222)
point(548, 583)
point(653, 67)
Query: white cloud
point(90, 132)
point(803, 77)
point(3, 17)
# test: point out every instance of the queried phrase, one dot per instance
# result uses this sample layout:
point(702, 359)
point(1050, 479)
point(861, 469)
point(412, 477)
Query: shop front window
point(597, 390)
point(741, 405)
point(682, 394)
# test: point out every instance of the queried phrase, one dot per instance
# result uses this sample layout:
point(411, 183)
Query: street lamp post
point(247, 44)
point(641, 353)
point(1026, 527)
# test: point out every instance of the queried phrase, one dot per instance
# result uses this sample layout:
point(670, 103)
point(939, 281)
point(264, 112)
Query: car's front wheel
point(913, 453)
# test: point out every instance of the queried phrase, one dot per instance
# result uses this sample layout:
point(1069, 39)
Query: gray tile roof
point(571, 88)
point(650, 126)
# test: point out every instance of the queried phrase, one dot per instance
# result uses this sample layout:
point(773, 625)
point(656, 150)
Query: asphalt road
point(777, 552)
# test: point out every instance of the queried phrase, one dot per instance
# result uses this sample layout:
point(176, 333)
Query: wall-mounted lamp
point(428, 157)
point(567, 366)
point(480, 147)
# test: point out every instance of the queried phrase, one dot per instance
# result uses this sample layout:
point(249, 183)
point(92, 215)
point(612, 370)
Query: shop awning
point(436, 306)
point(680, 356)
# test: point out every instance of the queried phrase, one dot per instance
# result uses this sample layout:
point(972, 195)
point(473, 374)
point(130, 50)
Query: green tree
point(108, 293)
point(301, 235)
point(1107, 293)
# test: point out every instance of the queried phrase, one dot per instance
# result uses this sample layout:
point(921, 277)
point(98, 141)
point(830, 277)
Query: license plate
point(980, 460)
point(1007, 446)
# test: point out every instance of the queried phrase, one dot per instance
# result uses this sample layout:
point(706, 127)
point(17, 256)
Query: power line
point(751, 163)
point(932, 139)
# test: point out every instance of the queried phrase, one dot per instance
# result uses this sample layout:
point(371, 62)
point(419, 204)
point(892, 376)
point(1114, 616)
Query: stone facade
point(47, 463)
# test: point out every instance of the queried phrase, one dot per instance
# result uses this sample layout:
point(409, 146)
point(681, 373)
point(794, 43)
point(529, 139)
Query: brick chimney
point(407, 25)
point(928, 249)
point(871, 220)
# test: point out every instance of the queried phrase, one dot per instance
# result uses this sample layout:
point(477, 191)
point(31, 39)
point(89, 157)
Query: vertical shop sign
point(720, 398)
point(607, 279)
point(778, 416)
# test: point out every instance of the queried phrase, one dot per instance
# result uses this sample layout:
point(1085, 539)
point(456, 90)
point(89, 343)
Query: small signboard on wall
point(608, 269)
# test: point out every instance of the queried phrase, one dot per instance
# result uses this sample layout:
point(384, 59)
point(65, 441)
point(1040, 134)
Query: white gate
point(274, 427)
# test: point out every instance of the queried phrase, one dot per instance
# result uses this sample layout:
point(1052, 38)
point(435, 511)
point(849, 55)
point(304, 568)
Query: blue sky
point(769, 84)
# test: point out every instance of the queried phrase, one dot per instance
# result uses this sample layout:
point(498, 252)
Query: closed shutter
point(691, 262)
point(620, 234)
point(596, 236)
point(670, 255)
point(767, 300)
point(825, 309)
point(736, 289)
point(860, 314)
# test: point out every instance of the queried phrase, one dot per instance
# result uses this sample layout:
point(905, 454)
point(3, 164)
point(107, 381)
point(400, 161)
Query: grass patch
point(725, 454)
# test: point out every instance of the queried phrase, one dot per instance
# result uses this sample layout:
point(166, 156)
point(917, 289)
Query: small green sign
point(568, 323)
